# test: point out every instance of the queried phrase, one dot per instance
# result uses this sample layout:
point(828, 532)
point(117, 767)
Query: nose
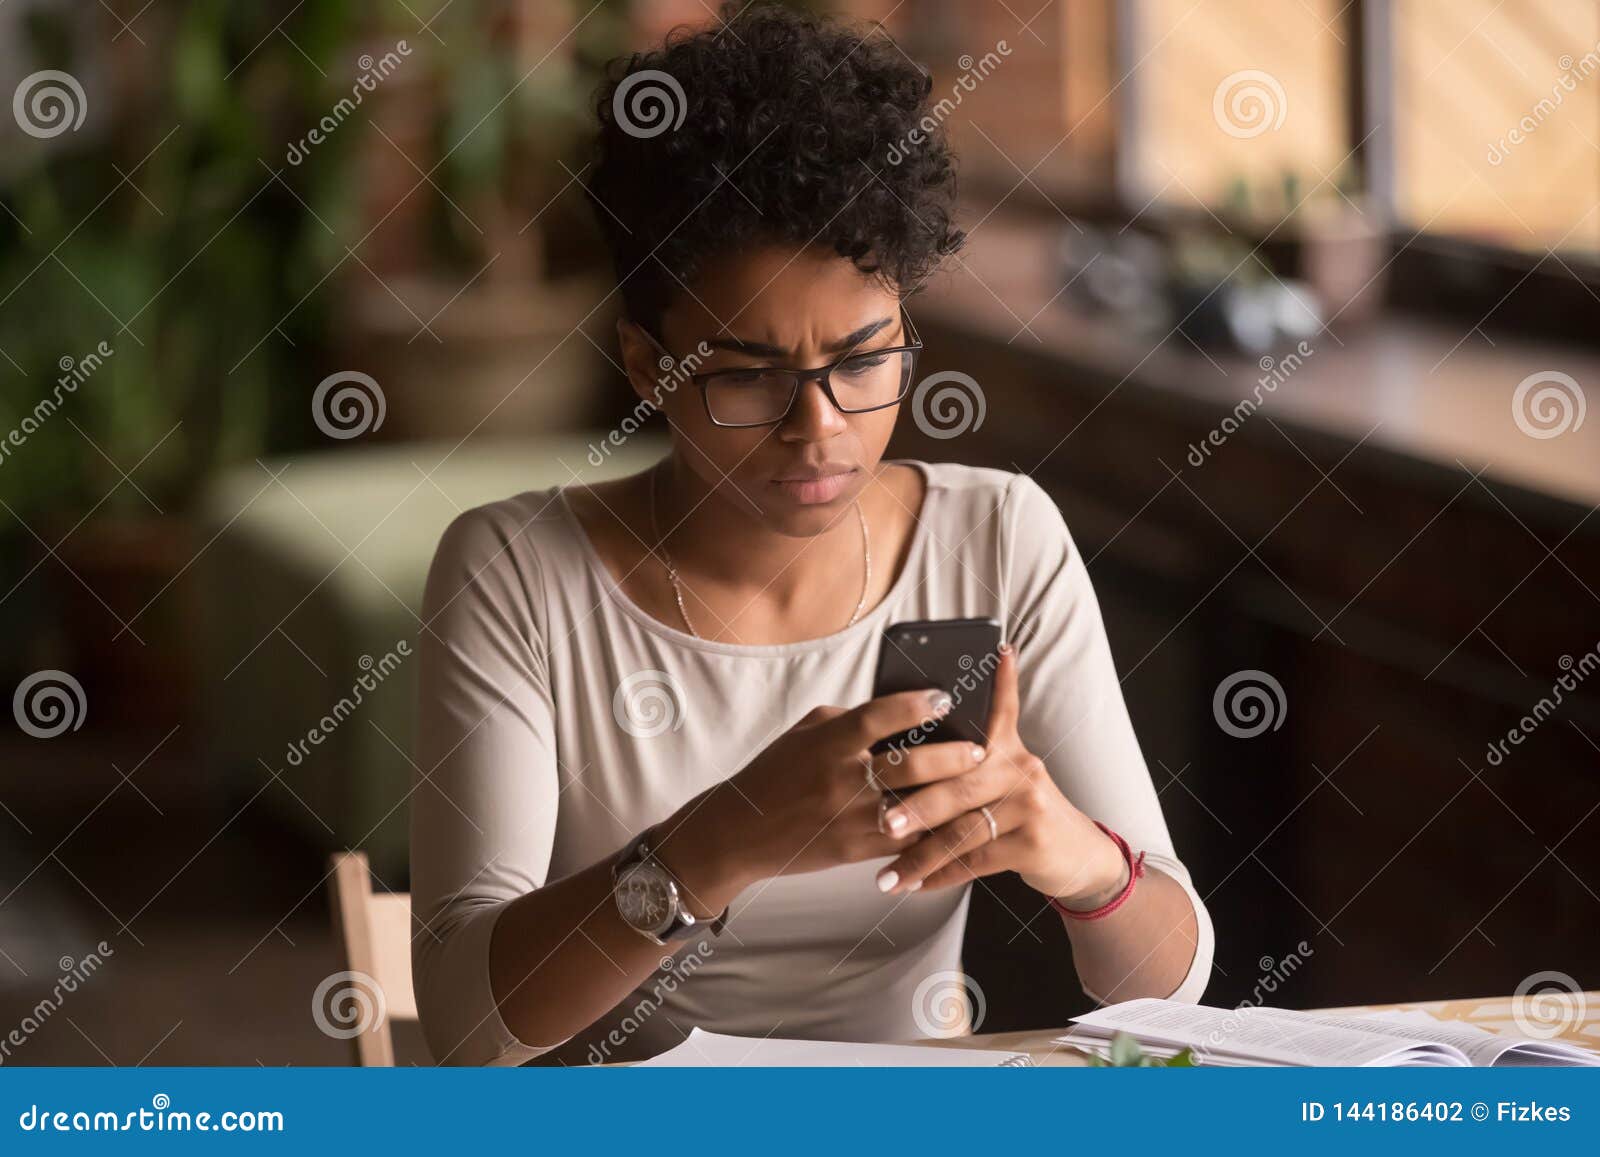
point(813, 417)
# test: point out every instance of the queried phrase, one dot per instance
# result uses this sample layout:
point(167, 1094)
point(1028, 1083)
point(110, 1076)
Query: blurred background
point(1292, 307)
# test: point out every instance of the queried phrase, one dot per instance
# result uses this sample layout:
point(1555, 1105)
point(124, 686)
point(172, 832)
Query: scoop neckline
point(865, 623)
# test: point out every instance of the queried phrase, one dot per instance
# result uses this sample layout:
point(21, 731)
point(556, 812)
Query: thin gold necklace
point(677, 587)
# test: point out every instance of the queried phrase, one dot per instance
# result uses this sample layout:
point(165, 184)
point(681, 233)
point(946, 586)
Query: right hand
point(804, 803)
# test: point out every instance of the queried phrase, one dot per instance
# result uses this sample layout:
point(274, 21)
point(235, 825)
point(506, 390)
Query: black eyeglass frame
point(821, 375)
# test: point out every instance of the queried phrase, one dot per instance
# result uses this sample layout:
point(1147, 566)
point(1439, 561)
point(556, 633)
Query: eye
point(862, 363)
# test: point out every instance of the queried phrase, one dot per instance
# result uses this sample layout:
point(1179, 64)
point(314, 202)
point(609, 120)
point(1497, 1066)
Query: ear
point(644, 362)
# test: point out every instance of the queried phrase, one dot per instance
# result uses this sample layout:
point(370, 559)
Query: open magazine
point(1277, 1036)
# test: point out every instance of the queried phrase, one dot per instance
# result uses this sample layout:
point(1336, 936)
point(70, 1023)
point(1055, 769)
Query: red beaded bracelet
point(1135, 870)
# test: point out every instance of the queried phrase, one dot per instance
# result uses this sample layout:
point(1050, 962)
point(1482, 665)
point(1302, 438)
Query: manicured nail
point(887, 879)
point(914, 887)
point(978, 753)
point(897, 819)
point(1005, 648)
point(939, 702)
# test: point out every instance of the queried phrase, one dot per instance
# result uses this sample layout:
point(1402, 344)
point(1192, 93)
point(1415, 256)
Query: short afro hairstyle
point(775, 125)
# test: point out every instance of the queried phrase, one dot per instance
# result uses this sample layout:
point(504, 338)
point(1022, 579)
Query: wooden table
point(1577, 1013)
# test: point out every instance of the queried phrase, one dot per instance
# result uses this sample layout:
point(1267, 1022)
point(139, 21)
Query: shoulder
point(969, 499)
point(503, 547)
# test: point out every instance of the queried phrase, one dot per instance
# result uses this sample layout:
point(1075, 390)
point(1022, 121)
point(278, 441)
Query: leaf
point(1125, 1051)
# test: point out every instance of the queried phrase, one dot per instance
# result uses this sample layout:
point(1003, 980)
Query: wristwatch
point(649, 899)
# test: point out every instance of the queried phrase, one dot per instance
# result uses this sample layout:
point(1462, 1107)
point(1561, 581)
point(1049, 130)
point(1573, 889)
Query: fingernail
point(887, 879)
point(978, 753)
point(1005, 648)
point(896, 819)
point(940, 702)
point(914, 887)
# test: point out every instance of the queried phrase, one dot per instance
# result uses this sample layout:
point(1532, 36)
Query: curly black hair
point(773, 125)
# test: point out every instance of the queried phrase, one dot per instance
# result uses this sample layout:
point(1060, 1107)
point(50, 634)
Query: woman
point(565, 841)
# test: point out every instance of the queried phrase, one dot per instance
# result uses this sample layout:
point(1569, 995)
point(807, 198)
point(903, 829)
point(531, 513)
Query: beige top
point(558, 719)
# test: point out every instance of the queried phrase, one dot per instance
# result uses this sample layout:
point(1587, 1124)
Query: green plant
point(1126, 1054)
point(157, 231)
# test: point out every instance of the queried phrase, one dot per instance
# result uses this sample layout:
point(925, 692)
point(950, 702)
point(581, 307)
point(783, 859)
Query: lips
point(813, 485)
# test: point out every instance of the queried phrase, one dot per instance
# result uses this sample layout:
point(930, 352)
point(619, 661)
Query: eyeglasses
point(857, 383)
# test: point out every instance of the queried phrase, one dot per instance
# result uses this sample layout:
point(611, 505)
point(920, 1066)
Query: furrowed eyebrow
point(758, 349)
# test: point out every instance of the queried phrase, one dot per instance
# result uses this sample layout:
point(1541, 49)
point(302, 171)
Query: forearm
point(562, 956)
point(1144, 948)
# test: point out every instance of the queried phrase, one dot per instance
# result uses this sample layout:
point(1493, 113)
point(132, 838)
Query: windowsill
point(1427, 390)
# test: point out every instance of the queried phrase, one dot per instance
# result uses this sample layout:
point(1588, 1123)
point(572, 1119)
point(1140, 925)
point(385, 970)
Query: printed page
point(1264, 1035)
point(701, 1049)
point(1480, 1046)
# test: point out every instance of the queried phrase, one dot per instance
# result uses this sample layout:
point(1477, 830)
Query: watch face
point(645, 897)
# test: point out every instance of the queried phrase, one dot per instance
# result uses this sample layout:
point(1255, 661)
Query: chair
point(374, 935)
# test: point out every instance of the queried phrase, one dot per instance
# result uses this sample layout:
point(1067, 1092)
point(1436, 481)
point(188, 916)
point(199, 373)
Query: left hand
point(1054, 847)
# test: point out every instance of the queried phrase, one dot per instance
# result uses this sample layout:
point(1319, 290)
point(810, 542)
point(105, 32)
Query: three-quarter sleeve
point(483, 809)
point(1072, 712)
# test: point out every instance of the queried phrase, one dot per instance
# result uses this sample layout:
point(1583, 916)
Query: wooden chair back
point(373, 932)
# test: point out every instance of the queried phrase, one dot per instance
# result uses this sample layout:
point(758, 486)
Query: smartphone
point(958, 656)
